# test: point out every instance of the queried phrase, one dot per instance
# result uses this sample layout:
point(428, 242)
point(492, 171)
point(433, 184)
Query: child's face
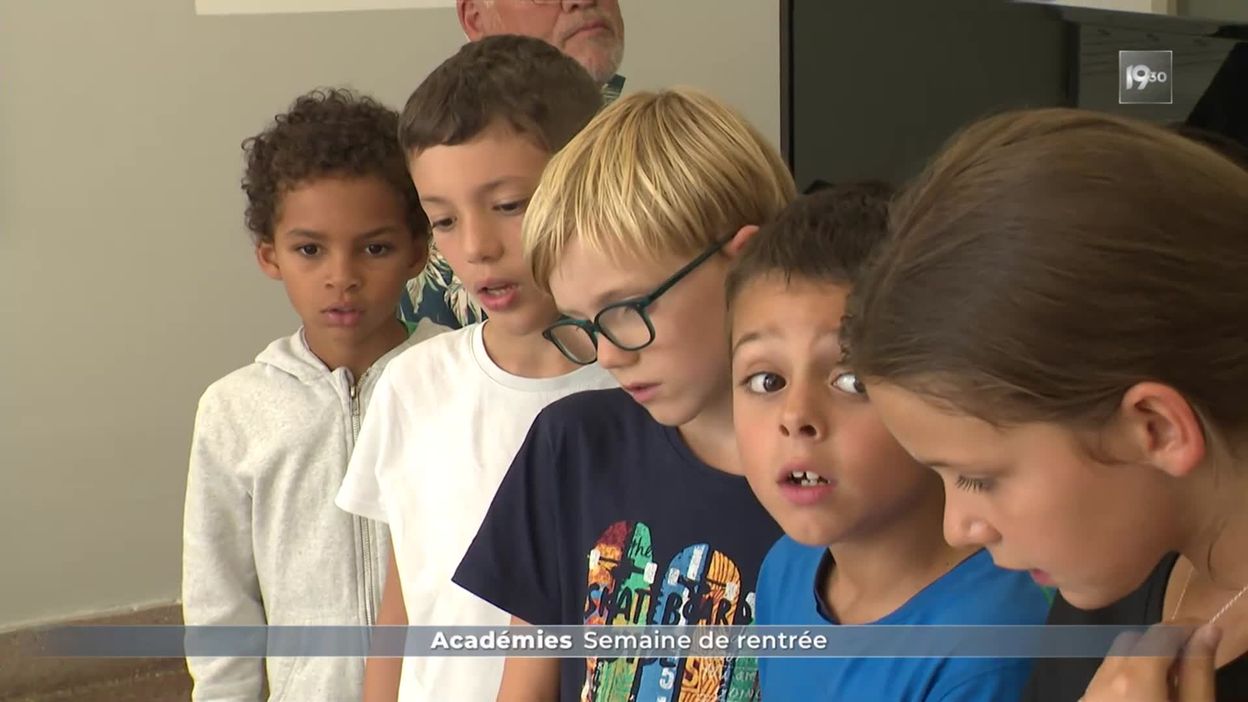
point(476, 194)
point(343, 249)
point(685, 369)
point(1037, 500)
point(814, 450)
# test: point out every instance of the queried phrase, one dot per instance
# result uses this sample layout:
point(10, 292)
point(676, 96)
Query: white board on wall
point(260, 7)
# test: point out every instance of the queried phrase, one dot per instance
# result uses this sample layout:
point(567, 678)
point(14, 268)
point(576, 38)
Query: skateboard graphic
point(700, 586)
point(621, 572)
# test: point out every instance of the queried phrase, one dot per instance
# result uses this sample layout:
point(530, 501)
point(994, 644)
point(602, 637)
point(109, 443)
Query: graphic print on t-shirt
point(621, 569)
point(699, 586)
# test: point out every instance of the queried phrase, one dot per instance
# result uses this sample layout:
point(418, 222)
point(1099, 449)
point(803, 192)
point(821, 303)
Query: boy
point(862, 518)
point(628, 506)
point(335, 218)
point(449, 415)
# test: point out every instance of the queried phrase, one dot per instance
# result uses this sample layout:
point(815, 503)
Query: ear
point(267, 259)
point(1162, 428)
point(473, 18)
point(738, 241)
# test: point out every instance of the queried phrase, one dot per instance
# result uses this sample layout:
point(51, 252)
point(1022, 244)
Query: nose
point(343, 273)
point(963, 527)
point(611, 356)
point(481, 240)
point(800, 415)
point(570, 5)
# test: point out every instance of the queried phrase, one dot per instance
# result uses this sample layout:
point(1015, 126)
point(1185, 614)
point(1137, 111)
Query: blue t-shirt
point(607, 517)
point(975, 592)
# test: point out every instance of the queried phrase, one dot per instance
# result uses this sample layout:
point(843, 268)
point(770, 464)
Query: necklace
point(1225, 607)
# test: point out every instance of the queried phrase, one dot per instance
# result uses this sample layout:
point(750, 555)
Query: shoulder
point(591, 431)
point(977, 591)
point(596, 411)
point(981, 679)
point(243, 386)
point(593, 421)
point(789, 570)
point(790, 561)
point(1141, 606)
point(435, 351)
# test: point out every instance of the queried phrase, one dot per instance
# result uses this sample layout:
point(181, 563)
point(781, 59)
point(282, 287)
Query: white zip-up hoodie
point(263, 542)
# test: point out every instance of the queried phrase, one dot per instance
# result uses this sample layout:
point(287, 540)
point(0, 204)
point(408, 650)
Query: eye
point(378, 249)
point(972, 484)
point(308, 249)
point(764, 383)
point(849, 384)
point(440, 224)
point(515, 207)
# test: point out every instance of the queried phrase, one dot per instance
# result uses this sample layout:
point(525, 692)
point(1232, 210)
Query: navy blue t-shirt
point(606, 517)
point(974, 592)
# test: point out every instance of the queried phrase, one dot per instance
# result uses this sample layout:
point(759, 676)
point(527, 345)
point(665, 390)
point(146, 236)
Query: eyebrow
point(320, 236)
point(614, 295)
point(770, 331)
point(483, 189)
point(752, 337)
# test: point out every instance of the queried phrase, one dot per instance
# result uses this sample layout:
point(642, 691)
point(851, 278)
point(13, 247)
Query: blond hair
point(655, 174)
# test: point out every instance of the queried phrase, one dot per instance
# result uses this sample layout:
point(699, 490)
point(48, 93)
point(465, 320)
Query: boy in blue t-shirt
point(863, 520)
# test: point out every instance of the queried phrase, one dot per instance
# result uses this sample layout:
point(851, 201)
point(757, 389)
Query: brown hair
point(826, 236)
point(1048, 260)
point(524, 82)
point(326, 133)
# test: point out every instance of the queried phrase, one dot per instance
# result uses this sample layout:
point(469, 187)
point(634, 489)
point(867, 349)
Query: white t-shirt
point(439, 434)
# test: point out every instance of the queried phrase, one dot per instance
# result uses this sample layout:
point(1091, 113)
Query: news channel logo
point(1145, 77)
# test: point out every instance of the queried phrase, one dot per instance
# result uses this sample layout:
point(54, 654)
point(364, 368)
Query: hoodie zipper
point(366, 547)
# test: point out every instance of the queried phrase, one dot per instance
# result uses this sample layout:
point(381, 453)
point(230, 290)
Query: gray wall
point(126, 279)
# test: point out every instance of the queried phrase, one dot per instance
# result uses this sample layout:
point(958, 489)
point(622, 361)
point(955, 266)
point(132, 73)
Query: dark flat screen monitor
point(872, 88)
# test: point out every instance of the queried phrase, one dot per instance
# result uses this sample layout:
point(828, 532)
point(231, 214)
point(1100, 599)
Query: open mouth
point(497, 290)
point(805, 478)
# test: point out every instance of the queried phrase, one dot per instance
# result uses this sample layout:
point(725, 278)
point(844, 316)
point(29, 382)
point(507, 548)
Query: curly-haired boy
point(334, 216)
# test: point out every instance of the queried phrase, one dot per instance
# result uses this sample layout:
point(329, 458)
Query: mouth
point(343, 315)
point(1042, 578)
point(801, 476)
point(589, 27)
point(495, 287)
point(803, 487)
point(642, 392)
point(497, 294)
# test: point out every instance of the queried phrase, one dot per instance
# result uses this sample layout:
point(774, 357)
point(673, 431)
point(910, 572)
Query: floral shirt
point(437, 294)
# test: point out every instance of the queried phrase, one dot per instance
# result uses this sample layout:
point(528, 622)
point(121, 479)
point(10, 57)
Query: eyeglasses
point(625, 324)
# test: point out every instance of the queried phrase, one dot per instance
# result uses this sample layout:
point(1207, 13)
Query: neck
point(524, 355)
point(356, 355)
point(887, 562)
point(1216, 542)
point(710, 435)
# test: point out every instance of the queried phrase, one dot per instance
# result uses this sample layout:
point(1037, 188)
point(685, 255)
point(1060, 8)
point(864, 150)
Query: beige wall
point(126, 283)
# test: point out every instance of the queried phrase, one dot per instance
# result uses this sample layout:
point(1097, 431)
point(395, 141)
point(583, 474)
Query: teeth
point(806, 478)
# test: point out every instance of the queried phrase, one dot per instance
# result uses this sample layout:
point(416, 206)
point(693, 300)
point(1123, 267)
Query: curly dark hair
point(325, 133)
